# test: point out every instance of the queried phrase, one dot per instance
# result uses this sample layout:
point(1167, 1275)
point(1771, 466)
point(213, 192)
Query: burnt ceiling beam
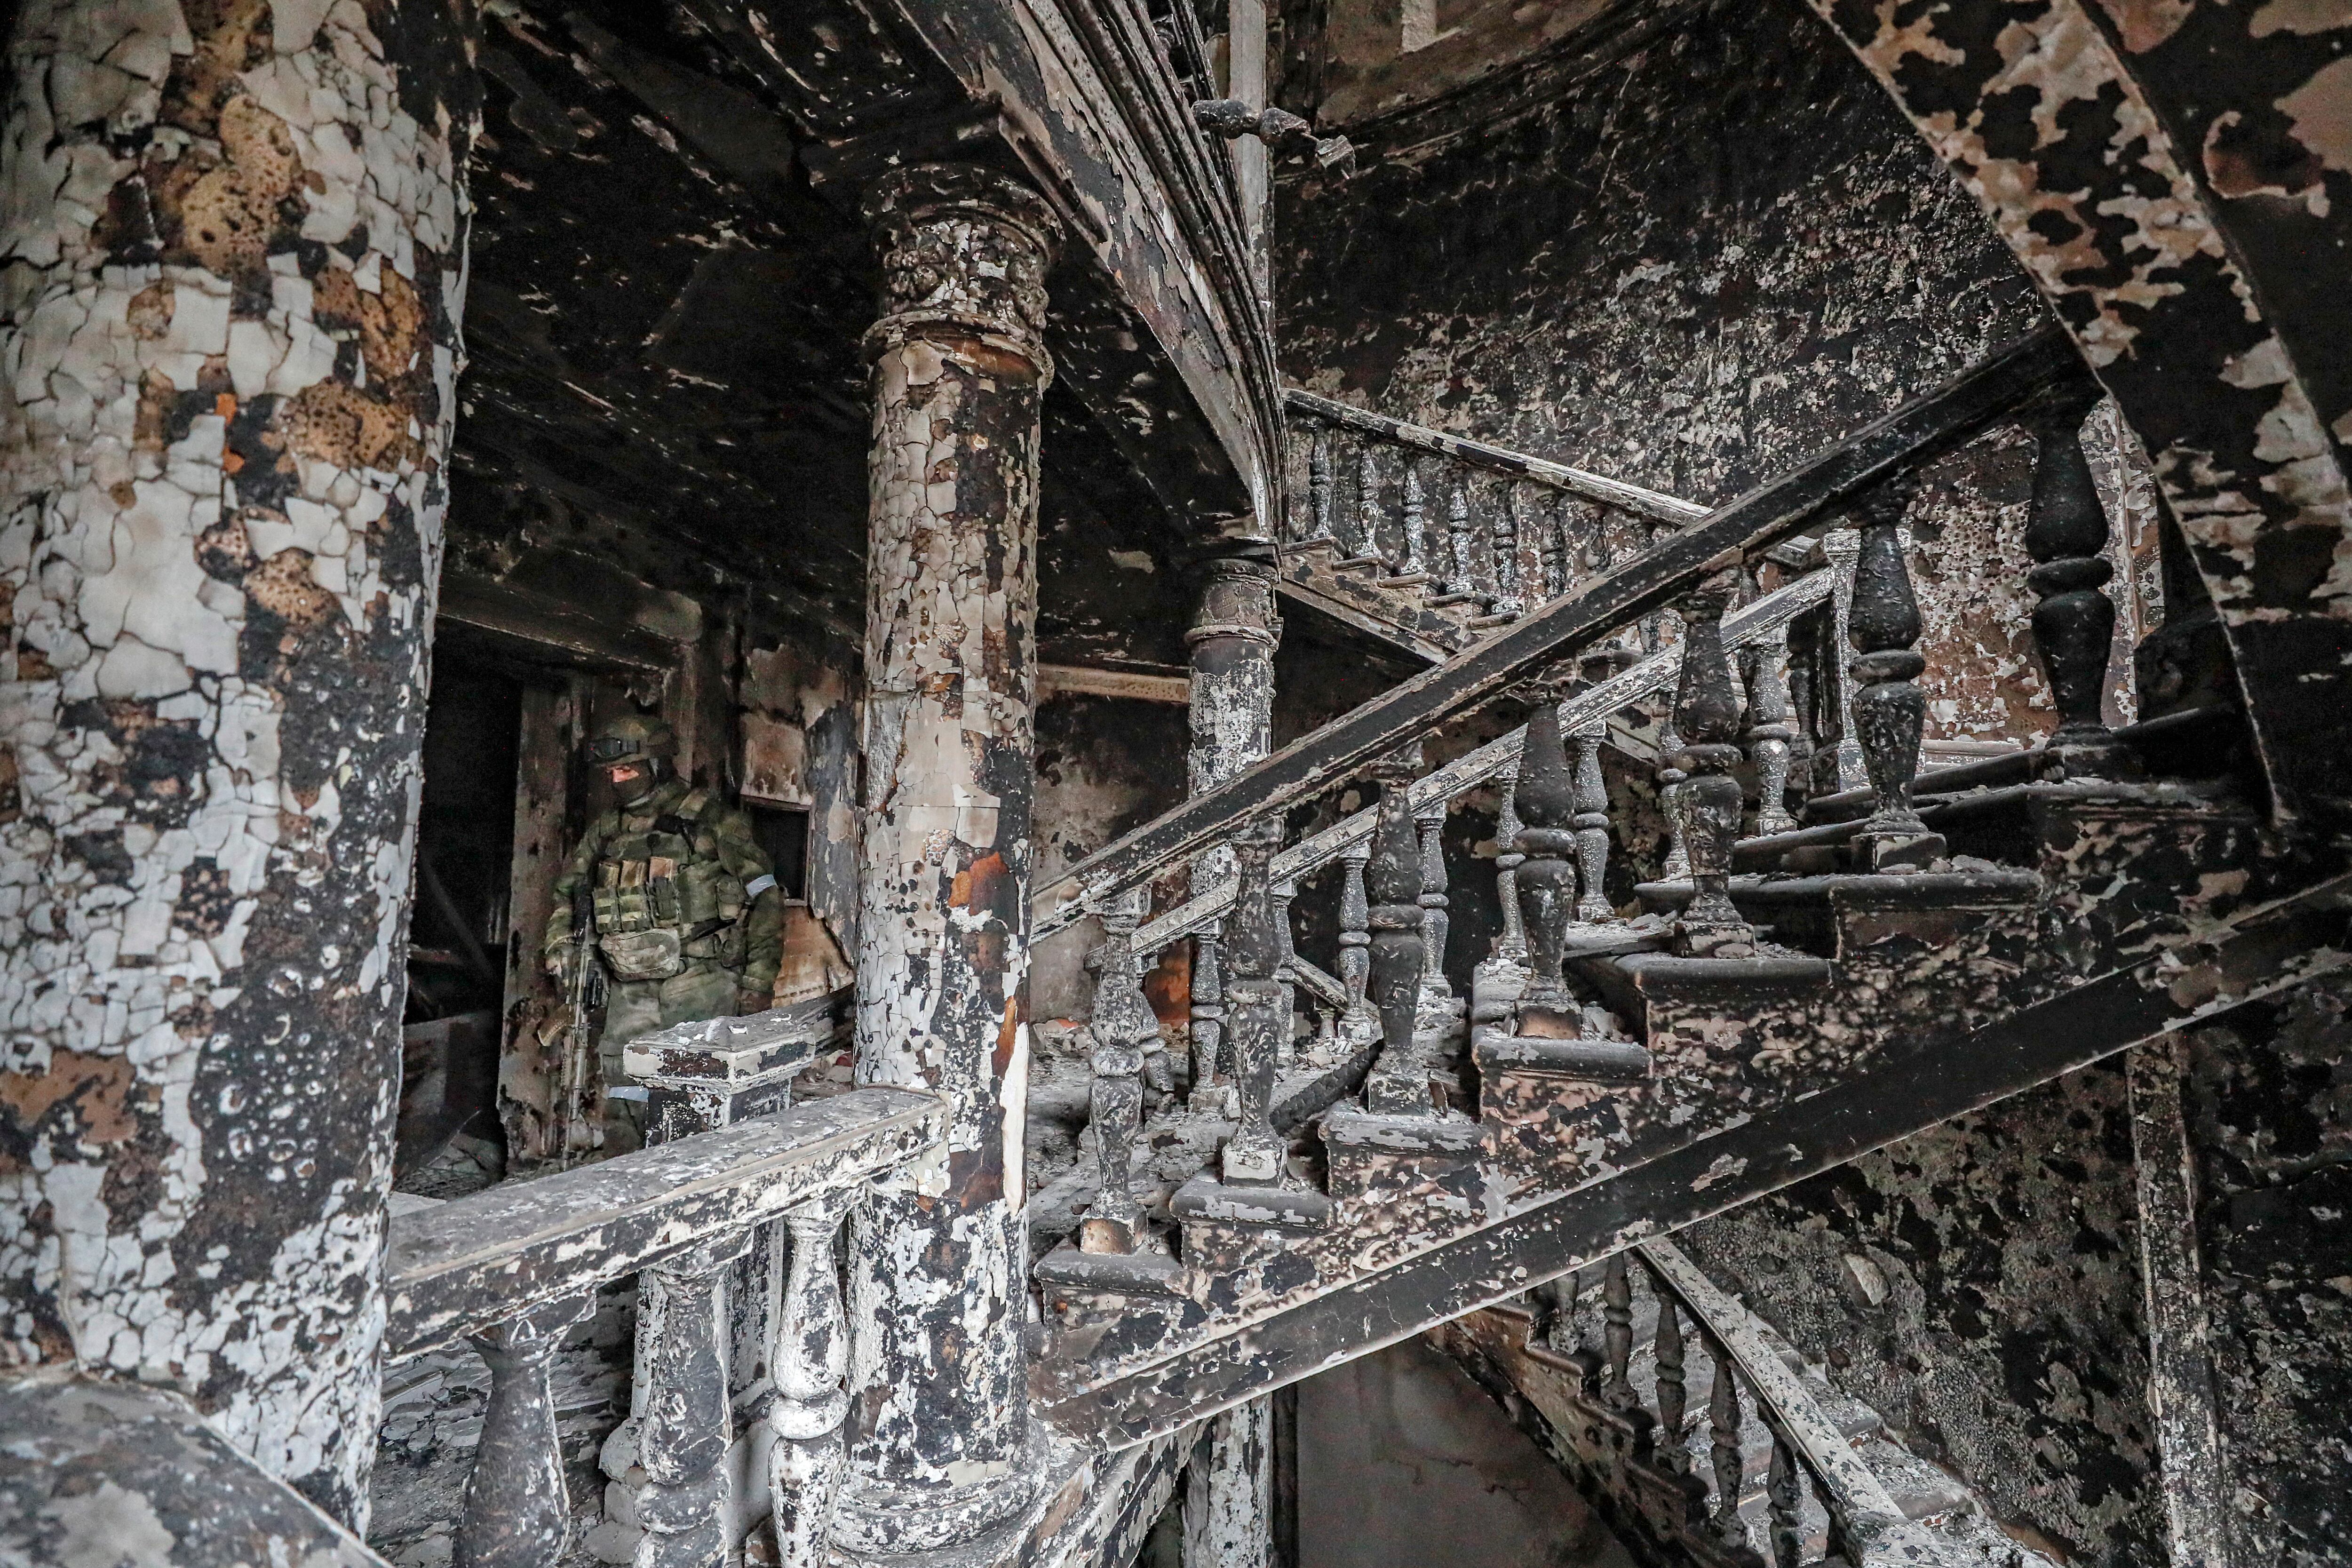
point(1917, 432)
point(1154, 322)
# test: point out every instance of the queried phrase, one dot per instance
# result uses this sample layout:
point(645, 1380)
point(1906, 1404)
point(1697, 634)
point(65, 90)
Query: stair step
point(1426, 1161)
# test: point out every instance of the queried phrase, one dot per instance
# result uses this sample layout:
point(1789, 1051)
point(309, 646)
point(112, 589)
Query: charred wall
point(1979, 1285)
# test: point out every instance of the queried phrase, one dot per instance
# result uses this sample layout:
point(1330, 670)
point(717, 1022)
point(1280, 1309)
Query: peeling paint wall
point(2268, 1099)
point(234, 245)
point(1980, 1286)
point(1706, 247)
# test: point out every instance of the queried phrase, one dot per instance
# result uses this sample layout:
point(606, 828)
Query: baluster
point(1356, 937)
point(1286, 1046)
point(1723, 1433)
point(1782, 1502)
point(686, 1427)
point(1590, 799)
point(1674, 1399)
point(1319, 488)
point(1400, 1084)
point(1843, 548)
point(1617, 1330)
point(1325, 1051)
point(1416, 522)
point(2074, 623)
point(1210, 1089)
point(1460, 583)
point(1435, 1003)
point(1555, 550)
point(1653, 630)
point(1546, 883)
point(1507, 598)
point(1364, 550)
point(1801, 729)
point(1124, 1029)
point(1254, 1155)
point(812, 1353)
point(1889, 711)
point(1568, 1338)
point(517, 1513)
point(1708, 803)
point(1765, 663)
point(1676, 865)
point(1512, 948)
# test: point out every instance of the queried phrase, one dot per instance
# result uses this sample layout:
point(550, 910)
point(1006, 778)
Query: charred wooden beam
point(1903, 440)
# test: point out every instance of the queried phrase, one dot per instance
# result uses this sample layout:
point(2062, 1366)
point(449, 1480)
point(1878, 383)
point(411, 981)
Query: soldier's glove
point(748, 1002)
point(558, 964)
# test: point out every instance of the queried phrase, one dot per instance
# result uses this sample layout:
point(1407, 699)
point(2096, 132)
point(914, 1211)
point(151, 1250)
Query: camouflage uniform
point(689, 922)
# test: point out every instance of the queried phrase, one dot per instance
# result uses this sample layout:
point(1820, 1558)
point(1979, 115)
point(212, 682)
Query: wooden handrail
point(1911, 436)
point(459, 1266)
point(1496, 459)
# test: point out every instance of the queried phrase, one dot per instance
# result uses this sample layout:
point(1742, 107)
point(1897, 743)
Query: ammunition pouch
point(655, 954)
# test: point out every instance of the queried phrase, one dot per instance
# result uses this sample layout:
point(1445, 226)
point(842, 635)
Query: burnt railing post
point(1415, 564)
point(688, 1425)
point(1436, 1008)
point(1511, 948)
point(1674, 1400)
point(1508, 598)
point(1723, 1421)
point(1398, 1085)
point(1708, 803)
point(1764, 661)
point(1285, 1048)
point(1356, 936)
point(1617, 1333)
point(810, 1358)
point(1254, 1155)
point(1364, 548)
point(1461, 581)
point(1544, 801)
point(1206, 1020)
point(1590, 799)
point(1783, 1501)
point(1888, 710)
point(517, 1512)
point(1125, 1034)
point(2074, 622)
point(1842, 548)
point(1319, 488)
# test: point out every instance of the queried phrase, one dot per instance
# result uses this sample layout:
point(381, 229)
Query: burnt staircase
point(1809, 978)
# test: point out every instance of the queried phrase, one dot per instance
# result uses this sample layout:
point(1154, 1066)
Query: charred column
point(1232, 638)
point(942, 1446)
point(222, 541)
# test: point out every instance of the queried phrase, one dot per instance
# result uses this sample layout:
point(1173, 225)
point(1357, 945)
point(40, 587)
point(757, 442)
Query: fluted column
point(1234, 634)
point(941, 1447)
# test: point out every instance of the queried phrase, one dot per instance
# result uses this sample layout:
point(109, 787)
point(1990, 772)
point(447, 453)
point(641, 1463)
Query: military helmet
point(633, 736)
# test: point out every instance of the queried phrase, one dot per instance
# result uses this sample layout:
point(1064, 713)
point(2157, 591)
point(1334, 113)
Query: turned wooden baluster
point(1436, 997)
point(1508, 600)
point(1555, 550)
point(1590, 798)
point(1319, 488)
point(1513, 946)
point(1801, 732)
point(1765, 661)
point(1723, 1435)
point(517, 1513)
point(1207, 1018)
point(686, 1427)
point(1416, 523)
point(1460, 582)
point(1365, 548)
point(1400, 1084)
point(1783, 1501)
point(812, 1353)
point(1843, 548)
point(1707, 802)
point(1617, 1330)
point(1286, 1048)
point(2074, 623)
point(1254, 1155)
point(1889, 711)
point(1545, 801)
point(1674, 1400)
point(1124, 1029)
point(1355, 933)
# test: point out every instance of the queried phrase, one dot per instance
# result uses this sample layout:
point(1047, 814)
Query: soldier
point(688, 922)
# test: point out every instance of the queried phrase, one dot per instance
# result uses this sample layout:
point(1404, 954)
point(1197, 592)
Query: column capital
point(1236, 600)
point(965, 250)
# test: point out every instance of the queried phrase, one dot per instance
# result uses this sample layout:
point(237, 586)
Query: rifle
point(585, 988)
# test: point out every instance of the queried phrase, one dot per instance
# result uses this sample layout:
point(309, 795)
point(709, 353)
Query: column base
point(878, 1521)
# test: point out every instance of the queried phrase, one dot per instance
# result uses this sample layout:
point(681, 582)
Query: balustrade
point(1763, 1475)
point(512, 1269)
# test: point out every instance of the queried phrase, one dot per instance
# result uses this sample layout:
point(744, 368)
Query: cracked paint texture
point(233, 238)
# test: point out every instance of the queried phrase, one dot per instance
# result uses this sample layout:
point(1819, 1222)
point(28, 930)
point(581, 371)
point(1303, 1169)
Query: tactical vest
point(665, 901)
